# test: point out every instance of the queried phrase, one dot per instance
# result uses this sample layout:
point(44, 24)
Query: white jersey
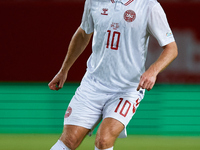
point(121, 30)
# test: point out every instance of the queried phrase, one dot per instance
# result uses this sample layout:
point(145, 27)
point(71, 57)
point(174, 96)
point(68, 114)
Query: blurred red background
point(34, 36)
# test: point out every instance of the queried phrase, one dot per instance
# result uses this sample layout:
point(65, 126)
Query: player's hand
point(147, 80)
point(58, 81)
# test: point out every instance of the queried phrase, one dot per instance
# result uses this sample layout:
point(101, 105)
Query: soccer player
point(115, 80)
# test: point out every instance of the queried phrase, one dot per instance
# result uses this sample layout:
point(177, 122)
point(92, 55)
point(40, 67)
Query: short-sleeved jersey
point(121, 30)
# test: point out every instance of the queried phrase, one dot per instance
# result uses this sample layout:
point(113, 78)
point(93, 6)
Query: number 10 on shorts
point(125, 108)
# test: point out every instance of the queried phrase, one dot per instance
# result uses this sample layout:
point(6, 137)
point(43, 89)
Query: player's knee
point(71, 141)
point(102, 142)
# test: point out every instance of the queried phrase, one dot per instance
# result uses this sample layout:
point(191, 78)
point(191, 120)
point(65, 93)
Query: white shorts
point(93, 102)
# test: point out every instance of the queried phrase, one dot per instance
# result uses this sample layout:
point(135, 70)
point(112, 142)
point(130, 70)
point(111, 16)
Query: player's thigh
point(73, 135)
point(108, 132)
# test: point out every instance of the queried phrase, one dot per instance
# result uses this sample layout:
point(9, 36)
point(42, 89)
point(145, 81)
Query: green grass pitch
point(132, 142)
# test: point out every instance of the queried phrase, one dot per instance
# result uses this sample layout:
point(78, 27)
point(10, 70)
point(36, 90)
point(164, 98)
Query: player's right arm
point(77, 45)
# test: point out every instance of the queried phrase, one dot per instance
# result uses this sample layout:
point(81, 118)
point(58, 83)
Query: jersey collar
point(125, 2)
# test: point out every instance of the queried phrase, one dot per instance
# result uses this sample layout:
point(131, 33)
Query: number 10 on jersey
point(114, 42)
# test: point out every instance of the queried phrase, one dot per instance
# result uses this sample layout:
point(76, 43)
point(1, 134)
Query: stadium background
point(34, 36)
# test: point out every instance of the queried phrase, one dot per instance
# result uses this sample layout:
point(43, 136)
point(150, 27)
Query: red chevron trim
point(127, 3)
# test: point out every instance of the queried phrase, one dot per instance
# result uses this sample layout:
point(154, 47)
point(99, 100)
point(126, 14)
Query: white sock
point(59, 146)
point(104, 149)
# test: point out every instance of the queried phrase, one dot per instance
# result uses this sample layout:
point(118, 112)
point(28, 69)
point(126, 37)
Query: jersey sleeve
point(87, 22)
point(158, 26)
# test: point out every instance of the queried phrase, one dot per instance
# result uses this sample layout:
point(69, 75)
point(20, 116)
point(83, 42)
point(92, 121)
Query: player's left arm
point(148, 78)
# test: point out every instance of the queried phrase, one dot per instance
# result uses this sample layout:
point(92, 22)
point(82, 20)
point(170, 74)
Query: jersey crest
point(129, 15)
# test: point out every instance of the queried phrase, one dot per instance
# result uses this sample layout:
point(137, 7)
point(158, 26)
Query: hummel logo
point(104, 11)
